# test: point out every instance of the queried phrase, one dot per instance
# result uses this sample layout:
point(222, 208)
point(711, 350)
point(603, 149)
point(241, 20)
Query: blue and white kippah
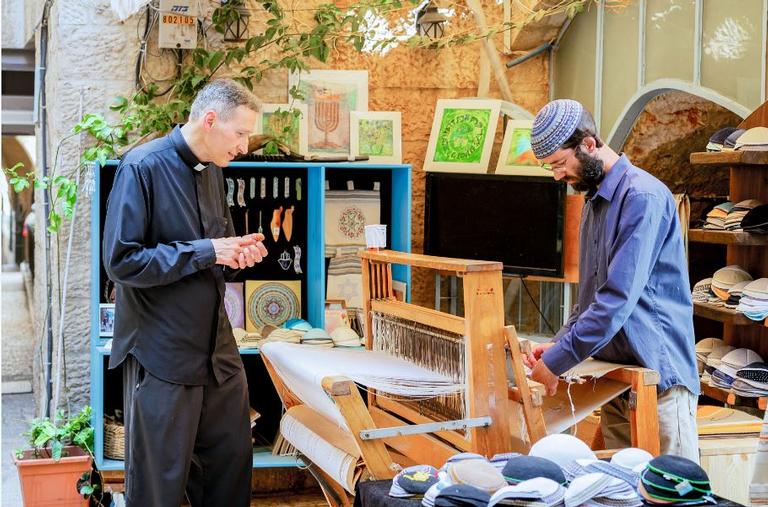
point(554, 124)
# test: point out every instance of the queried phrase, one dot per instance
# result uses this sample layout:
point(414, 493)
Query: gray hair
point(223, 96)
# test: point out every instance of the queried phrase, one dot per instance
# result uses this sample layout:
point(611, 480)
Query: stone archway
point(20, 204)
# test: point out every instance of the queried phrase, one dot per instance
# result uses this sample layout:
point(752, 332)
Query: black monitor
point(516, 220)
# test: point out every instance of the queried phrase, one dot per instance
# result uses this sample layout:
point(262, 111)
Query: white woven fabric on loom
point(303, 369)
point(308, 433)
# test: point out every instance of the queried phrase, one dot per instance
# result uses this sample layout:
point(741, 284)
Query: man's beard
point(590, 172)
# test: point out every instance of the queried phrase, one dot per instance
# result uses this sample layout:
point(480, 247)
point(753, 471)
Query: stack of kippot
point(675, 480)
point(717, 215)
point(727, 277)
point(754, 300)
point(738, 212)
point(413, 482)
point(554, 124)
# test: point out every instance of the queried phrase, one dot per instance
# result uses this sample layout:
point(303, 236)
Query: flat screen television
point(516, 220)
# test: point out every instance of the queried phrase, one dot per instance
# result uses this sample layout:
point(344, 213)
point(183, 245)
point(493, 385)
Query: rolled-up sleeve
point(640, 235)
point(127, 257)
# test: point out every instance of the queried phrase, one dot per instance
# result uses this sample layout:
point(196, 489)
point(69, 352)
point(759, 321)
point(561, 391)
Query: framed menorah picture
point(330, 95)
point(462, 135)
point(377, 135)
point(276, 117)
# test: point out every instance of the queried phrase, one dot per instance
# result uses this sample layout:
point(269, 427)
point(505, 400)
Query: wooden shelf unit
point(727, 237)
point(748, 172)
point(731, 398)
point(730, 158)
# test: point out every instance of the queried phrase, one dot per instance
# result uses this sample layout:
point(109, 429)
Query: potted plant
point(56, 469)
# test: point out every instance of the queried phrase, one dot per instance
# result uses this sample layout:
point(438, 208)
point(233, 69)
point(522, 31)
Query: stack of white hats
point(754, 139)
point(731, 363)
point(345, 336)
point(317, 337)
point(702, 291)
point(703, 349)
point(713, 361)
point(727, 277)
point(754, 300)
point(735, 293)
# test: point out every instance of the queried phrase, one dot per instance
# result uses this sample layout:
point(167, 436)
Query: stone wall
point(92, 58)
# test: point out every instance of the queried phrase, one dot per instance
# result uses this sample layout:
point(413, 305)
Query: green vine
point(150, 112)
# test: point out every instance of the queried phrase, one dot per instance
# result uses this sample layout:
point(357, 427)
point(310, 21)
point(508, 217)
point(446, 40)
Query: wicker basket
point(114, 439)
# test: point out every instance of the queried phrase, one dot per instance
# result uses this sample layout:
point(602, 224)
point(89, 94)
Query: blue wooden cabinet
point(106, 385)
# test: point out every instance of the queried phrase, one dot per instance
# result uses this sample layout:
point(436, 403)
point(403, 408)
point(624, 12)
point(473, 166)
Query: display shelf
point(727, 237)
point(729, 158)
point(395, 181)
point(725, 315)
point(731, 398)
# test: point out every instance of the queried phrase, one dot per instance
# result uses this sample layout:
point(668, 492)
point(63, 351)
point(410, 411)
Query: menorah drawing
point(327, 116)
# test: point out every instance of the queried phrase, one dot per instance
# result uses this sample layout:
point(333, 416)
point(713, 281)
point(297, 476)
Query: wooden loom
point(417, 432)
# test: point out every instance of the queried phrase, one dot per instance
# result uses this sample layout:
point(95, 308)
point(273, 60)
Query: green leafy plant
point(49, 439)
point(63, 192)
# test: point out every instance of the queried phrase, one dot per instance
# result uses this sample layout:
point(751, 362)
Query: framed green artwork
point(376, 134)
point(516, 156)
point(274, 124)
point(462, 135)
point(330, 95)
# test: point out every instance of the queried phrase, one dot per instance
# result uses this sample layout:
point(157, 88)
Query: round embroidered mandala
point(272, 303)
point(234, 308)
point(352, 222)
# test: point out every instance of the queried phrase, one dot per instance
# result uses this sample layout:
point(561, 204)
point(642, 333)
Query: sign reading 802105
point(178, 19)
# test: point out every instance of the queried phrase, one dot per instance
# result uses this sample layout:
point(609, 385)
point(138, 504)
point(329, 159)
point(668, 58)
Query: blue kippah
point(554, 124)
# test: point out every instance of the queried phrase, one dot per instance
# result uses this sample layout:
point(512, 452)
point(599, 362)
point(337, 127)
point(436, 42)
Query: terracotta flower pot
point(45, 482)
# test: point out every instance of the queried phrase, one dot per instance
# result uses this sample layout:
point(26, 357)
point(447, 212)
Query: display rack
point(748, 179)
point(106, 385)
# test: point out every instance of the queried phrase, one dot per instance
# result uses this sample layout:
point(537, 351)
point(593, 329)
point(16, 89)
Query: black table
point(376, 494)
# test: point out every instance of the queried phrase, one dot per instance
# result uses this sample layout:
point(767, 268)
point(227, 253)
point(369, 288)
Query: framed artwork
point(330, 95)
point(271, 124)
point(271, 302)
point(376, 134)
point(462, 135)
point(233, 304)
point(106, 319)
point(516, 156)
point(335, 314)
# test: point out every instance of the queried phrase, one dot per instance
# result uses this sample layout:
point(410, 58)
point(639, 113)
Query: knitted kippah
point(554, 124)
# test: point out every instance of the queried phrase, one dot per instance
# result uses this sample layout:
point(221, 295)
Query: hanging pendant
point(263, 189)
point(261, 229)
point(287, 187)
point(285, 260)
point(253, 187)
point(274, 226)
point(241, 192)
point(298, 189)
point(275, 185)
point(297, 259)
point(288, 223)
point(230, 192)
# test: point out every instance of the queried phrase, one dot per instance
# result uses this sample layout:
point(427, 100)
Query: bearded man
point(634, 304)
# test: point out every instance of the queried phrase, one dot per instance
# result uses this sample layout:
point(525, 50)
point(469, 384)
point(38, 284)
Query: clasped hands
point(540, 372)
point(239, 252)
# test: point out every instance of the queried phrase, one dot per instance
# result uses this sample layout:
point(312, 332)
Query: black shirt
point(162, 211)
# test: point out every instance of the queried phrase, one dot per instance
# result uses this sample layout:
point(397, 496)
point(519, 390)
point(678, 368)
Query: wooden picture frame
point(299, 143)
point(516, 156)
point(463, 131)
point(330, 95)
point(377, 134)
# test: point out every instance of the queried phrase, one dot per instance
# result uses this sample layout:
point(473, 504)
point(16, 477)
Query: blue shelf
point(262, 458)
point(400, 232)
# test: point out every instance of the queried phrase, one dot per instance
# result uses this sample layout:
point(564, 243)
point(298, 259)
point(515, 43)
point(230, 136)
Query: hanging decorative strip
point(271, 302)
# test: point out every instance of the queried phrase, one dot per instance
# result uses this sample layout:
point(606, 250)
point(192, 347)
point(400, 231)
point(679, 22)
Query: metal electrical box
point(178, 24)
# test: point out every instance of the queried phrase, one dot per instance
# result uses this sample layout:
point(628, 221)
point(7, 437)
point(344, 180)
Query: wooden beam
point(453, 266)
point(534, 420)
point(349, 402)
point(644, 417)
point(422, 315)
point(423, 449)
point(410, 415)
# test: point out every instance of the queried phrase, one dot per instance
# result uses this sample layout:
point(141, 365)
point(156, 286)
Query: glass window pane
point(669, 34)
point(575, 60)
point(730, 50)
point(620, 41)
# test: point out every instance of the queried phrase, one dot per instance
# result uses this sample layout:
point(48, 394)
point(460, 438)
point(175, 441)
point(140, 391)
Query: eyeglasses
point(560, 164)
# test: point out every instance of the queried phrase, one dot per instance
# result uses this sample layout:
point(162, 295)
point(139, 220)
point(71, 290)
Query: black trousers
point(193, 439)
